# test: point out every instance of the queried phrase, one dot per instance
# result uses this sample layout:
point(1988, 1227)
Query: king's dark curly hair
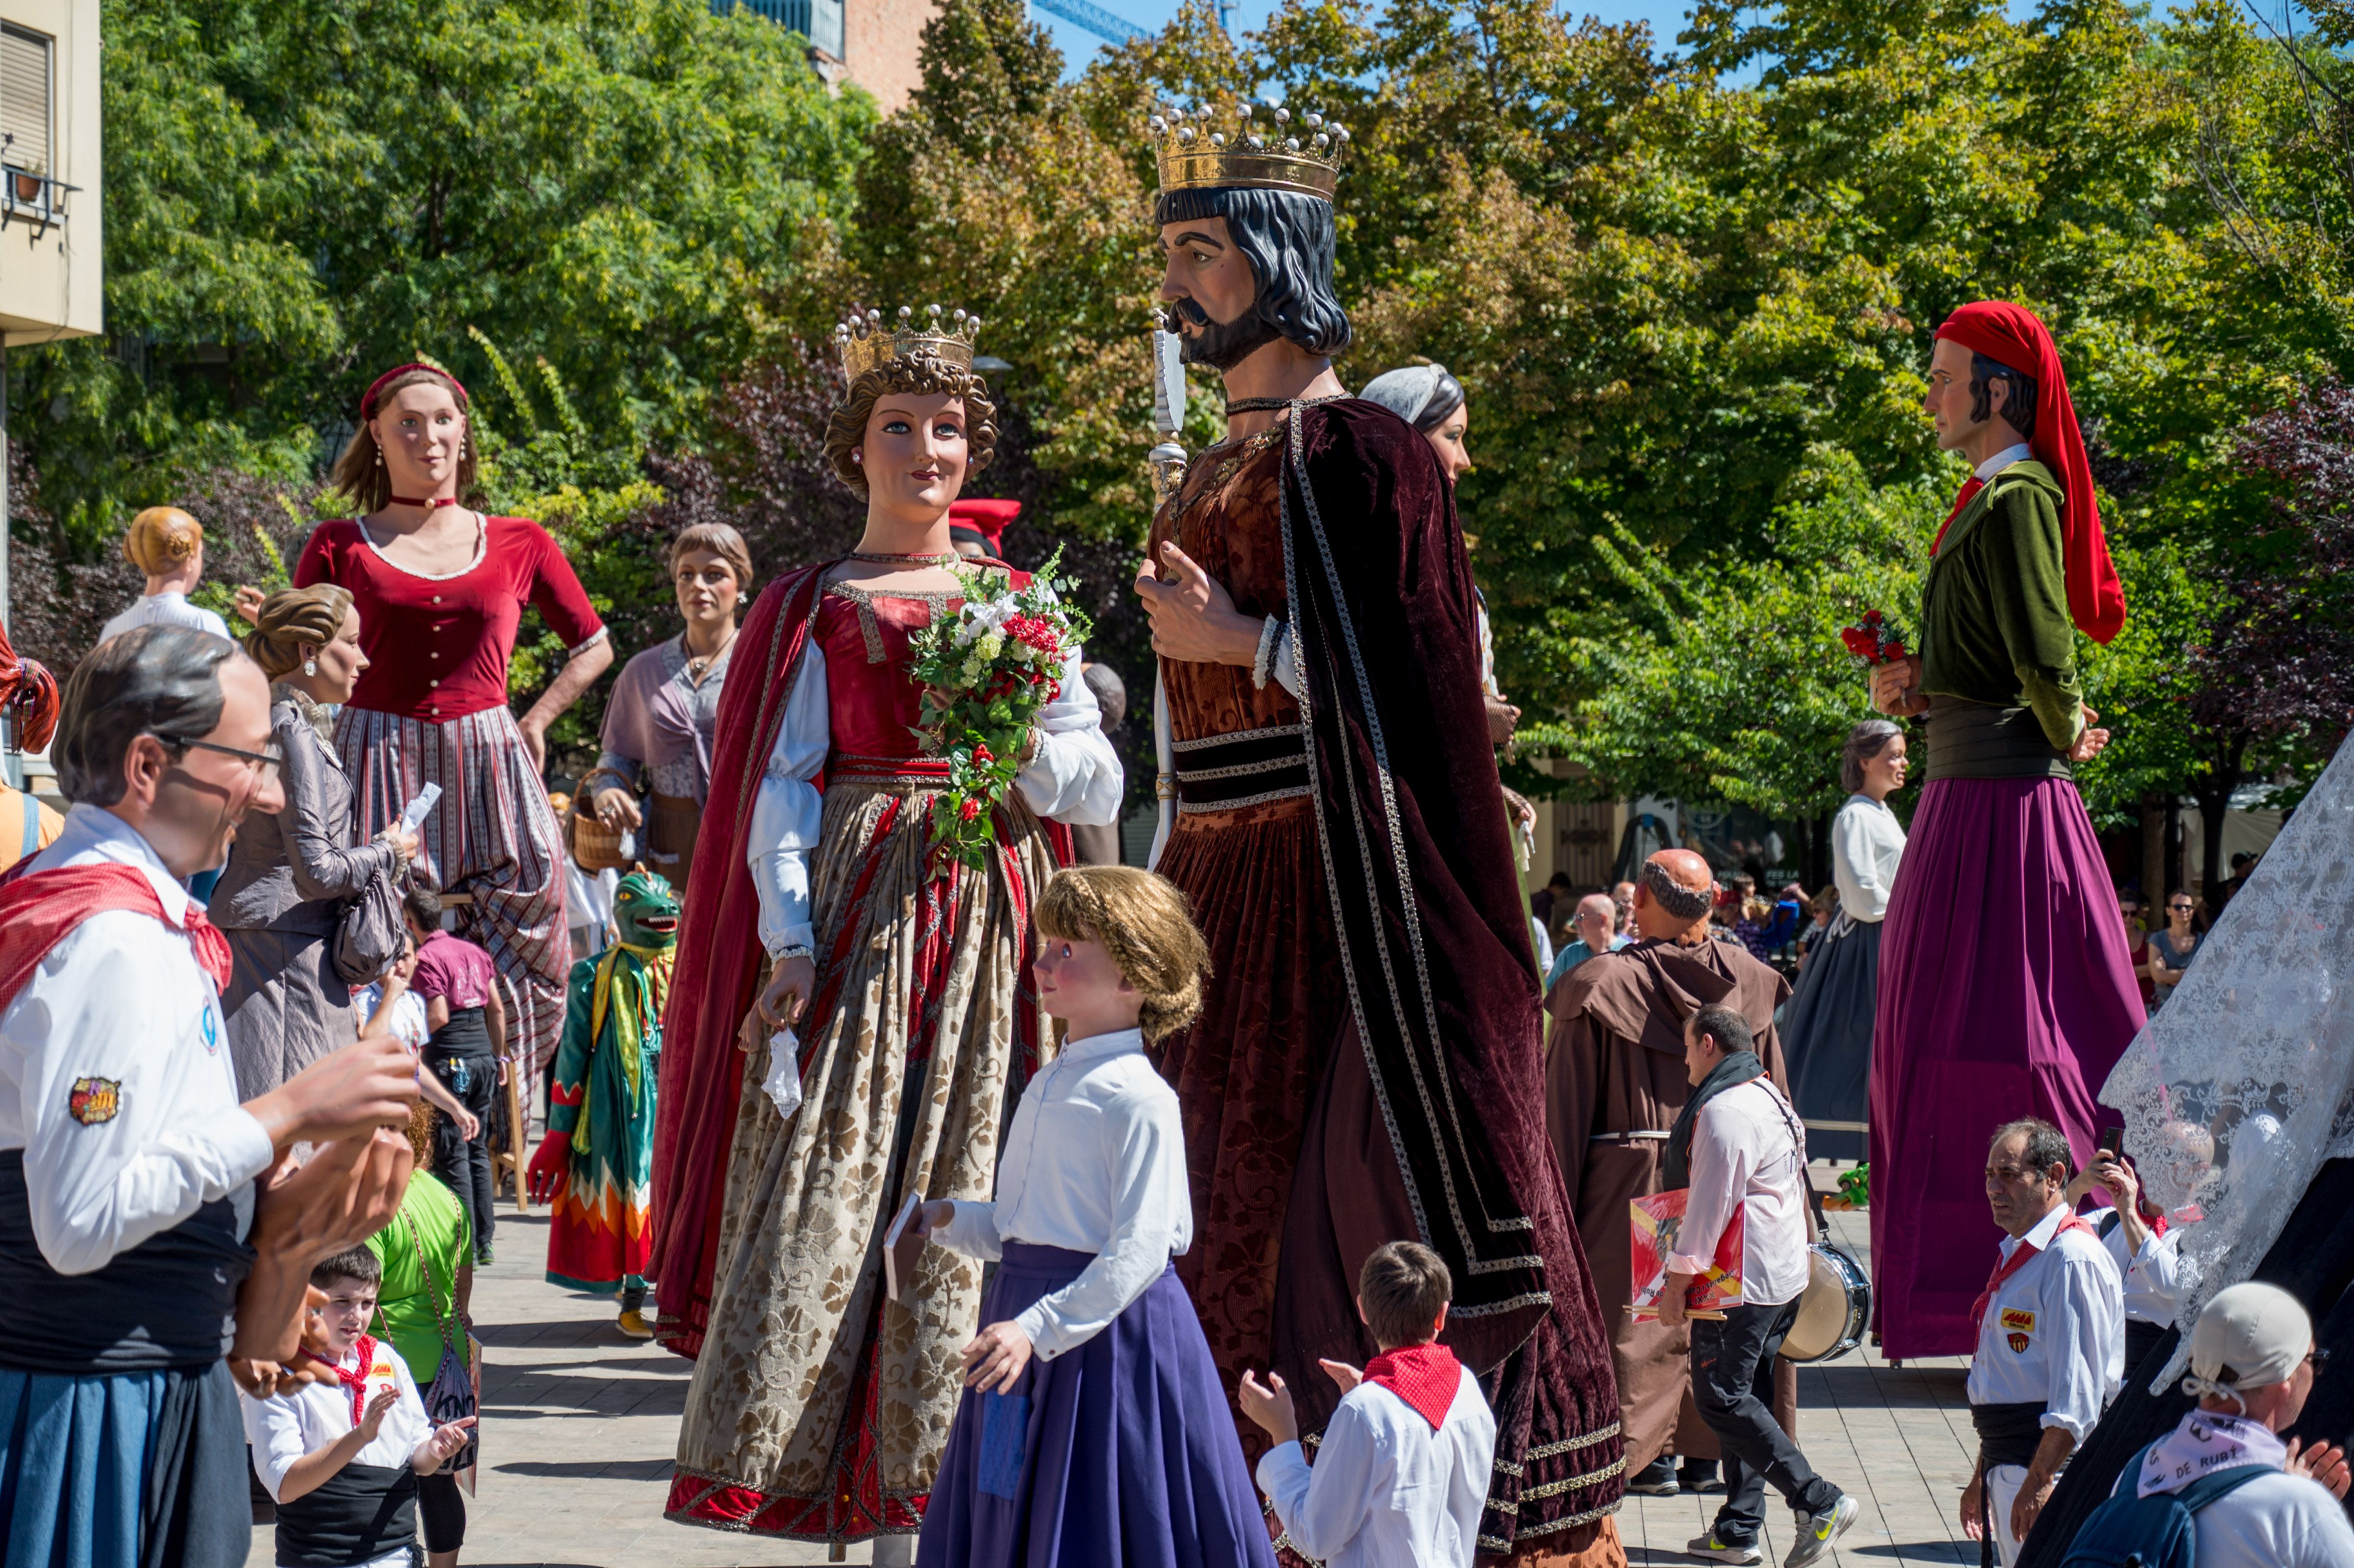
point(846, 428)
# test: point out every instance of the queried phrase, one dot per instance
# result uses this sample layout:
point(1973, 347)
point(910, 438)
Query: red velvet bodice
point(867, 684)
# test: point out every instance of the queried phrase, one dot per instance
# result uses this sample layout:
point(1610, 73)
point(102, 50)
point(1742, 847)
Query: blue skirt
point(1826, 1040)
point(142, 1468)
point(1121, 1452)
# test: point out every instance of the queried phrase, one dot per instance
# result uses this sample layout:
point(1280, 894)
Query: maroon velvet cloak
point(1435, 954)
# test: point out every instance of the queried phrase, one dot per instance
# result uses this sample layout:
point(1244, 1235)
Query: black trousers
point(1733, 1385)
point(441, 1512)
point(465, 1162)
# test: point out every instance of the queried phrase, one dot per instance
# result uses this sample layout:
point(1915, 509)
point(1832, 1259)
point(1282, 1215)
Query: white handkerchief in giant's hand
point(783, 1082)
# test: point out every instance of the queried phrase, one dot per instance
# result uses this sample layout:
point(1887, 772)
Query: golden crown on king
point(1264, 151)
point(864, 344)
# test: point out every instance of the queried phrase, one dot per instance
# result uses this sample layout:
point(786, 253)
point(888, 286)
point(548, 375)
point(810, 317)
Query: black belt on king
point(1219, 772)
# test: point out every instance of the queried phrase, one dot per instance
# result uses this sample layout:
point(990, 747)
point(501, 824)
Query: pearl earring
point(310, 666)
point(858, 457)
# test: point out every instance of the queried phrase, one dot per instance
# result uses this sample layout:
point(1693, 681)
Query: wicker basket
point(594, 846)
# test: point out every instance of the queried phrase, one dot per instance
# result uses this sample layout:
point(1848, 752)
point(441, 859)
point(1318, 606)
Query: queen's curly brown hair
point(1143, 923)
point(846, 429)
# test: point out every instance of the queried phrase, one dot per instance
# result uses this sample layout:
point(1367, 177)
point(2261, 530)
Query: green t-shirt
point(431, 1213)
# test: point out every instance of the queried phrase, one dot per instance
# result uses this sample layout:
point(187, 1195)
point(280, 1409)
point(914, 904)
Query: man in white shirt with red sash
point(1740, 1149)
point(2052, 1337)
point(133, 1235)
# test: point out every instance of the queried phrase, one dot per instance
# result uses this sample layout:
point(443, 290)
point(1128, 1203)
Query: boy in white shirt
point(1402, 1473)
point(341, 1454)
point(1092, 1415)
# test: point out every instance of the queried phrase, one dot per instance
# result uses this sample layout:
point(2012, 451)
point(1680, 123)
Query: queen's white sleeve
point(787, 812)
point(1076, 776)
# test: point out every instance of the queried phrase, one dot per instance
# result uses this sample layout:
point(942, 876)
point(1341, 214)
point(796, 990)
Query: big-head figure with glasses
point(142, 1266)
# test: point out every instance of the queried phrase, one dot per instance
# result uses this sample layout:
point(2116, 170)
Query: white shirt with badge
point(1095, 1161)
point(286, 1426)
point(115, 1077)
point(2054, 1334)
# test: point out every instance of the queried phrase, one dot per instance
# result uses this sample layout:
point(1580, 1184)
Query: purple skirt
point(1120, 1452)
point(2005, 991)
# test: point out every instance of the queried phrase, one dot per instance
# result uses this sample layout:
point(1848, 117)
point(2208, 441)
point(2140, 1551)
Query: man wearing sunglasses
point(136, 1250)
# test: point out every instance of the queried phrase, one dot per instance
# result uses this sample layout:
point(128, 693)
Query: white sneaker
point(1818, 1530)
point(1709, 1547)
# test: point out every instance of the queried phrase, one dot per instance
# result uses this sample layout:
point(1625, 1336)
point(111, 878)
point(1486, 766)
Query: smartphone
point(2113, 1142)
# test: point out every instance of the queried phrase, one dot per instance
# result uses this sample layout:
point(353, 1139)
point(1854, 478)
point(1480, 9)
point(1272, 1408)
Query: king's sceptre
point(1167, 458)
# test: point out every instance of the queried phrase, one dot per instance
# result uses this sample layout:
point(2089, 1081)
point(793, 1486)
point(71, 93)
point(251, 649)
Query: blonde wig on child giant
point(1142, 922)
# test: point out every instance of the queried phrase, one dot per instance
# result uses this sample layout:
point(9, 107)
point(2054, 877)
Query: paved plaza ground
point(580, 1427)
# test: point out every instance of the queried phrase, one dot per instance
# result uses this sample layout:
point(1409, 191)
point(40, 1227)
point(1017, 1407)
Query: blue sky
point(1078, 44)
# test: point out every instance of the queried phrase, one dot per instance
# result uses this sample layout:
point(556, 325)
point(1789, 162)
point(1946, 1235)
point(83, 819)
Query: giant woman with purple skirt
point(2005, 987)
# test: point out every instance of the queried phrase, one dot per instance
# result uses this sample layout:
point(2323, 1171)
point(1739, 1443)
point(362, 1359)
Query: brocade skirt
point(818, 1410)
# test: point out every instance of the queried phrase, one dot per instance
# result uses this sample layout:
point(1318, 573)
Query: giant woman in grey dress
point(291, 875)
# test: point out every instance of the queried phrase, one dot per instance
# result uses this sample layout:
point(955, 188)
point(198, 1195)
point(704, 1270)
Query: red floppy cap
point(2012, 337)
point(986, 518)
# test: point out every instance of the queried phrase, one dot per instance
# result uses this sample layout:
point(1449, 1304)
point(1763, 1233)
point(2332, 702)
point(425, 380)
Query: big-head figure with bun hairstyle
point(1828, 1025)
point(815, 899)
point(167, 545)
point(1367, 1066)
point(293, 874)
point(439, 589)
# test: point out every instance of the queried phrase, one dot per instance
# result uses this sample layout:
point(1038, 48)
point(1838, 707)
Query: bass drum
point(1834, 1310)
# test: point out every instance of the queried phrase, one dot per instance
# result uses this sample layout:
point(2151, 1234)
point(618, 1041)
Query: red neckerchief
point(365, 1348)
point(2026, 1250)
point(37, 910)
point(1970, 487)
point(1428, 1377)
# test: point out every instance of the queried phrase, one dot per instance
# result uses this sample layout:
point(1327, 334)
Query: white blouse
point(1866, 845)
point(1075, 778)
point(1094, 1163)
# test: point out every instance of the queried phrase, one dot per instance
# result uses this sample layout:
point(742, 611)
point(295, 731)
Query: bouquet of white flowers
point(987, 670)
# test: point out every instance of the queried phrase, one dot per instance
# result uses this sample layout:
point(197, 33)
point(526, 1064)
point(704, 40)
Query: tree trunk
point(2214, 798)
point(2153, 849)
point(2173, 877)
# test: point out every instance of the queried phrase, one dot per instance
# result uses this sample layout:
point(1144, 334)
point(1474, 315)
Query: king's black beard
point(1221, 346)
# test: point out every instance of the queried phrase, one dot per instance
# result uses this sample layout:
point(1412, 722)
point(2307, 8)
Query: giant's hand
point(779, 1006)
point(2090, 741)
point(349, 1191)
point(354, 1090)
point(1194, 618)
point(1896, 688)
point(551, 1166)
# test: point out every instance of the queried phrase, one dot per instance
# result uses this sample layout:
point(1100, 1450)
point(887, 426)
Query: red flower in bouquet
point(1874, 640)
point(988, 669)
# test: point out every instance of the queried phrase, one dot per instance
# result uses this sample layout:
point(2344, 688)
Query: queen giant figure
point(819, 1410)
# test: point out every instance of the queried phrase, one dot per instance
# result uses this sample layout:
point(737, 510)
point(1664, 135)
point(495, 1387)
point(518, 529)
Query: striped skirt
point(493, 837)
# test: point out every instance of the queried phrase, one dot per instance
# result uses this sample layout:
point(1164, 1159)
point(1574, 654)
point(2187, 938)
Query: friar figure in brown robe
point(1614, 1083)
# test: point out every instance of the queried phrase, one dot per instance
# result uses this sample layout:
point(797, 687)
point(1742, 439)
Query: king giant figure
point(1367, 1064)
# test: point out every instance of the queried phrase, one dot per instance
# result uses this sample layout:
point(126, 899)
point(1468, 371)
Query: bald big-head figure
point(1674, 894)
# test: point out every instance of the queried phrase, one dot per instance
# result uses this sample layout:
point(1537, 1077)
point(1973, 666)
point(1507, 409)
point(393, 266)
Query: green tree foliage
point(303, 192)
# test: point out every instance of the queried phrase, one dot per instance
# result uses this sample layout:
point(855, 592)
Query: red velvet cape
point(720, 964)
point(1433, 941)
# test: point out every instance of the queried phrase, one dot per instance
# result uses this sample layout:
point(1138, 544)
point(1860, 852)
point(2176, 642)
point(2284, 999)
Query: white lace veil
point(2243, 1085)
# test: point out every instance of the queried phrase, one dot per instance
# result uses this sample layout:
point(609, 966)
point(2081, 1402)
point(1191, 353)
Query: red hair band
point(367, 398)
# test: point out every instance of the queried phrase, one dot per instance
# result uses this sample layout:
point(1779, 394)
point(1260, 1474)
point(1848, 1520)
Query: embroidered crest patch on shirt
point(2019, 1344)
point(94, 1100)
point(2019, 1318)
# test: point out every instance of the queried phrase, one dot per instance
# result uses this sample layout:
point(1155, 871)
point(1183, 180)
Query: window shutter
point(24, 100)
